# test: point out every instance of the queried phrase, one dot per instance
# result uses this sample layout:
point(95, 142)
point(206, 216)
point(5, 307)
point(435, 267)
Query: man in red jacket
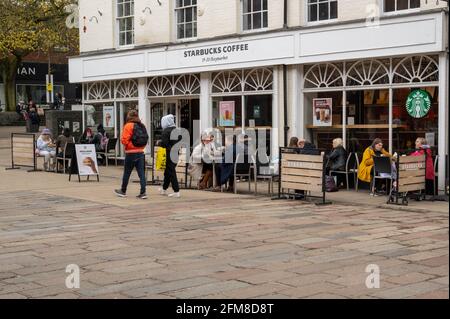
point(134, 154)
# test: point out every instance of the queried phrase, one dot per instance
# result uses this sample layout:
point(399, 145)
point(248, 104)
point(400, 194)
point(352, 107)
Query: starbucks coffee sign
point(418, 103)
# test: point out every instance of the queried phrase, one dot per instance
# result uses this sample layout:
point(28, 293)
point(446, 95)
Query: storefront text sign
point(252, 50)
point(418, 103)
point(227, 113)
point(322, 112)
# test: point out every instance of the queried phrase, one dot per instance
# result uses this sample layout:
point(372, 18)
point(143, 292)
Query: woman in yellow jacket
point(365, 168)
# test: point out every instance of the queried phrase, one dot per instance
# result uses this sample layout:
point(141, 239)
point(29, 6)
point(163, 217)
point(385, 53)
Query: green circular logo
point(418, 103)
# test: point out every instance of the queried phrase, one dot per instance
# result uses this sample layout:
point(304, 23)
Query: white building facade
point(273, 61)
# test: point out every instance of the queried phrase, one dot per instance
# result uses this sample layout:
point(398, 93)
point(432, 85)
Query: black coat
point(337, 159)
point(167, 143)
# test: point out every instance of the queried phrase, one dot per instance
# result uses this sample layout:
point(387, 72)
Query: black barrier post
point(12, 156)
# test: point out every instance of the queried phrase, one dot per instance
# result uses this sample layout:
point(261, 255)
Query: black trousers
point(170, 176)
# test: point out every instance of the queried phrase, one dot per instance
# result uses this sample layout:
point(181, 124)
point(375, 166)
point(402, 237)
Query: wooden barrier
point(410, 178)
point(23, 151)
point(181, 169)
point(302, 172)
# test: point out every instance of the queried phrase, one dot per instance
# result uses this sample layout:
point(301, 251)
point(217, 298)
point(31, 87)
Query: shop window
point(323, 112)
point(258, 110)
point(186, 18)
point(367, 118)
point(125, 21)
point(100, 113)
point(321, 10)
point(397, 5)
point(254, 14)
point(37, 93)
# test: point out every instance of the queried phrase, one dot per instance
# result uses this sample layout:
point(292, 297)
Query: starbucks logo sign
point(418, 103)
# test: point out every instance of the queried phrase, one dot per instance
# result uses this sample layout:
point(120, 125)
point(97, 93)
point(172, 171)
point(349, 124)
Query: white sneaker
point(162, 192)
point(176, 195)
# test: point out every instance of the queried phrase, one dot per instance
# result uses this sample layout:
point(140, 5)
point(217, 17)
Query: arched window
point(98, 91)
point(159, 86)
point(324, 75)
point(367, 72)
point(126, 89)
point(188, 84)
point(259, 80)
point(226, 82)
point(416, 69)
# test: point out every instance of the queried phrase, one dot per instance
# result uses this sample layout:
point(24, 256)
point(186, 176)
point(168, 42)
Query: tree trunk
point(9, 72)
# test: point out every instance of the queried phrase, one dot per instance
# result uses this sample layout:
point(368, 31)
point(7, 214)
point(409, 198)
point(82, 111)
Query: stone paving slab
point(209, 245)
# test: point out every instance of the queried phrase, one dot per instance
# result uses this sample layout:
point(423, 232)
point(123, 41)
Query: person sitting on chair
point(366, 167)
point(62, 140)
point(422, 148)
point(337, 159)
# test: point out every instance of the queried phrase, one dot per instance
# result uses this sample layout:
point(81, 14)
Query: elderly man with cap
point(46, 148)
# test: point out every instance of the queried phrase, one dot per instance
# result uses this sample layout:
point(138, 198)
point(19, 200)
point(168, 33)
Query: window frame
point(397, 12)
point(175, 15)
point(124, 18)
point(261, 12)
point(330, 20)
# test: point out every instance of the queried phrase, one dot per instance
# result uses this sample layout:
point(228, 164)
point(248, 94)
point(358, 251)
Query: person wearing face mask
point(170, 174)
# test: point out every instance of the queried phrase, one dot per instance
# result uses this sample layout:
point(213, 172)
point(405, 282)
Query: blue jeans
point(134, 160)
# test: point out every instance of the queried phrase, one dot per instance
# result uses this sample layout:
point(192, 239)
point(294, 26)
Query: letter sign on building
point(418, 103)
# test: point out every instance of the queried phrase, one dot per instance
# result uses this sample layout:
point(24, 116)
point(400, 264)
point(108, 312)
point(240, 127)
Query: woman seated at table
point(365, 171)
point(201, 161)
point(87, 137)
point(337, 159)
point(422, 148)
point(46, 148)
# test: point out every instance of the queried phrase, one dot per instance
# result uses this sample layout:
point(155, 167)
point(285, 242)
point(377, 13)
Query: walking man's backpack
point(140, 135)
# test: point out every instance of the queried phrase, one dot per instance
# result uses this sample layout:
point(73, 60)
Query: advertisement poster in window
point(227, 113)
point(86, 159)
point(322, 112)
point(108, 116)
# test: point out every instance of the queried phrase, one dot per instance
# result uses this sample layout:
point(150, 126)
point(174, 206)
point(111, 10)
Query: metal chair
point(110, 150)
point(351, 167)
point(263, 171)
point(382, 165)
point(68, 154)
point(242, 170)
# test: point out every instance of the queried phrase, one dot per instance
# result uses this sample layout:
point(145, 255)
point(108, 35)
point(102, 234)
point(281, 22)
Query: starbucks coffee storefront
point(395, 99)
point(347, 80)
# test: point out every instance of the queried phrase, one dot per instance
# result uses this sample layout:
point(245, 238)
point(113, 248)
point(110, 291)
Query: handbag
point(330, 185)
point(160, 164)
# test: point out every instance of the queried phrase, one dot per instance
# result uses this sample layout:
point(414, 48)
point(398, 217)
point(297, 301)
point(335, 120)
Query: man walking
point(134, 138)
point(170, 174)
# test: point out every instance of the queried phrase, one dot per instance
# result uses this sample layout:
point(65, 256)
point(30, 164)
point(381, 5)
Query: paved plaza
point(209, 245)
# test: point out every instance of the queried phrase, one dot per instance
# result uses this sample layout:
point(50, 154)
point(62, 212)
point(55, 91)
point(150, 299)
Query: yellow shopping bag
point(161, 159)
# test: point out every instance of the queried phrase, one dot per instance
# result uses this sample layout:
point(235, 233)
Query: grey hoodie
point(167, 121)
